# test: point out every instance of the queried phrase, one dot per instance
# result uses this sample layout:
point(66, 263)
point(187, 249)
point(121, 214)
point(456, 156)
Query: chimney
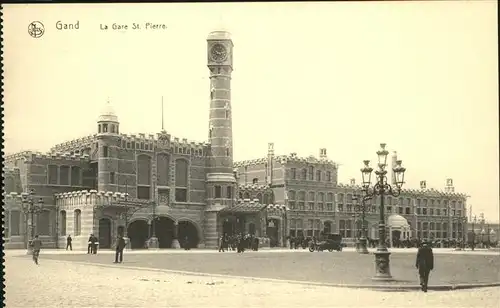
point(423, 185)
point(322, 153)
point(394, 159)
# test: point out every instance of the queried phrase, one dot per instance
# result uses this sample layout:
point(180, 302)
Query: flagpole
point(162, 115)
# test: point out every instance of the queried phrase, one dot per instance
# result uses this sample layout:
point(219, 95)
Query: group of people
point(239, 242)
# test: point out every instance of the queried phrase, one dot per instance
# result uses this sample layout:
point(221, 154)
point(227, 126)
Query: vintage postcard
point(306, 154)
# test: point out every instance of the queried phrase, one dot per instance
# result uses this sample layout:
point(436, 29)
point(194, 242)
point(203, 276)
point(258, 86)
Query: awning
point(244, 208)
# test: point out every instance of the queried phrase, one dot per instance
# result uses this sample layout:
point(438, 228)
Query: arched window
point(162, 169)
point(43, 223)
point(327, 227)
point(77, 224)
point(240, 195)
point(181, 180)
point(318, 175)
point(266, 199)
point(143, 177)
point(291, 199)
point(329, 202)
point(247, 195)
point(255, 180)
point(302, 200)
point(62, 222)
point(259, 197)
point(321, 200)
point(310, 199)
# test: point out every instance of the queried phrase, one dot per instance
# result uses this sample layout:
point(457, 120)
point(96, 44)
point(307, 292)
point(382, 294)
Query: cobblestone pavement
point(347, 268)
point(66, 284)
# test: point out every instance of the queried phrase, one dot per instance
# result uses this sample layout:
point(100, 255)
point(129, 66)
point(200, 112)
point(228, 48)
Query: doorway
point(138, 233)
point(104, 233)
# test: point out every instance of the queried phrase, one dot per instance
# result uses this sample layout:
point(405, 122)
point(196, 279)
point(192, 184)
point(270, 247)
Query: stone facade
point(110, 183)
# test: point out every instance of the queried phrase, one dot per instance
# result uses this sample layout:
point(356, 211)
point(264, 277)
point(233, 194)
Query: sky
point(345, 76)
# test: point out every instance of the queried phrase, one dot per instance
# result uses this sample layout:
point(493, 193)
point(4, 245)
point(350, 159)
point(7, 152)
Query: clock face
point(218, 53)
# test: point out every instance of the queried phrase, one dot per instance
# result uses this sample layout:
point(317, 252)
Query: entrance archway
point(104, 233)
point(188, 231)
point(272, 231)
point(164, 229)
point(228, 227)
point(138, 232)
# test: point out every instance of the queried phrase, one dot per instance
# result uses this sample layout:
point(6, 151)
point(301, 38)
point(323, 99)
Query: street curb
point(394, 287)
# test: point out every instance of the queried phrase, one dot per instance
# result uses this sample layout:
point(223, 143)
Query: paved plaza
point(346, 268)
point(69, 284)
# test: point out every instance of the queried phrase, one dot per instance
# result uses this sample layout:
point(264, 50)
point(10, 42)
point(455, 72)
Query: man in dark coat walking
point(90, 246)
point(425, 264)
point(120, 245)
point(68, 243)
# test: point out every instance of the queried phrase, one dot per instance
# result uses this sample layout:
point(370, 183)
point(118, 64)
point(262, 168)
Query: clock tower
point(220, 178)
point(220, 181)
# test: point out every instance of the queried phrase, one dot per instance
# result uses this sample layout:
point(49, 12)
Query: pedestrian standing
point(36, 244)
point(95, 244)
point(90, 247)
point(68, 243)
point(425, 264)
point(120, 246)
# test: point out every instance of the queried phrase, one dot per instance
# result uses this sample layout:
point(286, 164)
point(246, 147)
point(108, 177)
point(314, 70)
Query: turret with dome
point(107, 123)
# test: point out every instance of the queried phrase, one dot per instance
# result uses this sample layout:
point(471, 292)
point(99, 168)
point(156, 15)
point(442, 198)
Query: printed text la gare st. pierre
point(134, 26)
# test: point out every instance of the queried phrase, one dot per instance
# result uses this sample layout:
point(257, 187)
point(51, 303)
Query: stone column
point(175, 241)
point(211, 229)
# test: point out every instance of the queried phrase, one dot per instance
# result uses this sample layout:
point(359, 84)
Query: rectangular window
point(424, 211)
point(291, 204)
point(328, 176)
point(218, 192)
point(181, 195)
point(318, 175)
point(143, 192)
point(293, 173)
point(64, 175)
point(53, 175)
point(229, 192)
point(105, 151)
point(111, 178)
point(329, 207)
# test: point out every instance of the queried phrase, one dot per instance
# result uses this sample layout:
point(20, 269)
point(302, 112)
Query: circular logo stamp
point(36, 29)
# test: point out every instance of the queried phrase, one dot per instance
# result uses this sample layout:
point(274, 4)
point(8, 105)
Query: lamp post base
point(382, 267)
point(175, 244)
point(153, 243)
point(361, 246)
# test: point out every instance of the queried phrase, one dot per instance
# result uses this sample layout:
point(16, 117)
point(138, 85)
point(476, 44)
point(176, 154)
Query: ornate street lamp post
point(362, 247)
point(30, 207)
point(382, 189)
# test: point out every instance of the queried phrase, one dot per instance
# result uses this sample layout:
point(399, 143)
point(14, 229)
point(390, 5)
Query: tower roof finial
point(108, 113)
